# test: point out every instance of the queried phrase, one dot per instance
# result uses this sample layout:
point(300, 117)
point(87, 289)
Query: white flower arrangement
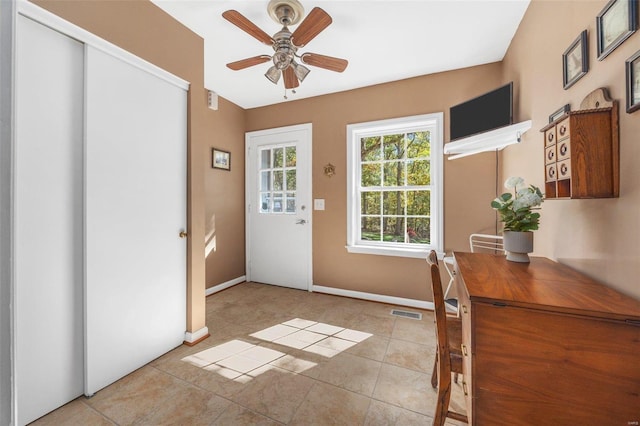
point(516, 209)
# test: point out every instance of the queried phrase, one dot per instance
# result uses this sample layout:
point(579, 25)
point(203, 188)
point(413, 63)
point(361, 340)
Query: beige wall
point(148, 32)
point(469, 182)
point(224, 204)
point(599, 237)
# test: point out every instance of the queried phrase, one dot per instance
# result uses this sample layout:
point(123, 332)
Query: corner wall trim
point(392, 300)
point(191, 339)
point(223, 286)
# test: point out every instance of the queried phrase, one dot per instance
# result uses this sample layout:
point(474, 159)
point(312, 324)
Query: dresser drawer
point(563, 129)
point(564, 169)
point(550, 154)
point(564, 150)
point(552, 173)
point(550, 136)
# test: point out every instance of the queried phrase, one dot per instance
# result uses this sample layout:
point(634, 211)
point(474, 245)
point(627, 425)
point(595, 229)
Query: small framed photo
point(575, 61)
point(614, 24)
point(559, 113)
point(632, 66)
point(220, 159)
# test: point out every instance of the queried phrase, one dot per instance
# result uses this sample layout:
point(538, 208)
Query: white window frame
point(434, 122)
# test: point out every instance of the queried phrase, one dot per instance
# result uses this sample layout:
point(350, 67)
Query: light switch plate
point(318, 204)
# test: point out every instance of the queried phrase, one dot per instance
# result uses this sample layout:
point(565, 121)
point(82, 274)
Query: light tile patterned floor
point(280, 356)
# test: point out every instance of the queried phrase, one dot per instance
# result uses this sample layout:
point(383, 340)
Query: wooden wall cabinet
point(581, 151)
point(543, 344)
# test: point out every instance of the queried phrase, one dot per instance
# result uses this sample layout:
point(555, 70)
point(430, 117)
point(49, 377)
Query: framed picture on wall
point(632, 66)
point(560, 112)
point(220, 159)
point(614, 24)
point(575, 61)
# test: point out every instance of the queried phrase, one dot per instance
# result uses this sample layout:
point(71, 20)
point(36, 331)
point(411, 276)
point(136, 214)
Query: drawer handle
point(464, 388)
point(463, 347)
point(552, 172)
point(563, 169)
point(563, 130)
point(550, 137)
point(563, 149)
point(551, 155)
point(464, 309)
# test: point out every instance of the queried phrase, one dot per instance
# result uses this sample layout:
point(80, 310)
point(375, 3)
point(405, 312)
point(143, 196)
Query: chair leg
point(442, 404)
point(434, 375)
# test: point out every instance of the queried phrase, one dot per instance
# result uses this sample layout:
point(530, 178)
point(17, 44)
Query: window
point(278, 180)
point(394, 186)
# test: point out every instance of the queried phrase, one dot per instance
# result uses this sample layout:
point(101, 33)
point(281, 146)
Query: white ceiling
point(383, 40)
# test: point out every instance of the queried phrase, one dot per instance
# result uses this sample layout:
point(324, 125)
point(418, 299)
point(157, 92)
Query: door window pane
point(290, 153)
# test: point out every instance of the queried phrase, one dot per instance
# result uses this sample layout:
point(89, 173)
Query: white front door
point(278, 171)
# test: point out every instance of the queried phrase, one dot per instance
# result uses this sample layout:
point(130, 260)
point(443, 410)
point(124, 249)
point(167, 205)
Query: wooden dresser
point(545, 345)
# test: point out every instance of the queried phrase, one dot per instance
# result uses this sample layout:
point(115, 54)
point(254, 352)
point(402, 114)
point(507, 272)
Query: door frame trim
point(308, 127)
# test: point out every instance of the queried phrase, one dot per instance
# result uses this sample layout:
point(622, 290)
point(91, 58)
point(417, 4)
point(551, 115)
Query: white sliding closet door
point(135, 208)
point(48, 220)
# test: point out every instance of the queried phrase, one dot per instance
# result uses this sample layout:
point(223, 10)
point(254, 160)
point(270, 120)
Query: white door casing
point(278, 220)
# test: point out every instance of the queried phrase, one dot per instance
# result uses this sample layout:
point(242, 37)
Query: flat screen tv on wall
point(483, 113)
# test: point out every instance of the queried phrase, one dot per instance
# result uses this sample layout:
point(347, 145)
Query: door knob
point(300, 222)
point(183, 234)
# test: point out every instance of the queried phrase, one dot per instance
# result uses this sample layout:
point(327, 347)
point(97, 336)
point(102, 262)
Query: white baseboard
point(223, 286)
point(392, 300)
point(197, 335)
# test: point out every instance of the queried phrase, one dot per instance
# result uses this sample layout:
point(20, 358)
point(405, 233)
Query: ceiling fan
point(285, 43)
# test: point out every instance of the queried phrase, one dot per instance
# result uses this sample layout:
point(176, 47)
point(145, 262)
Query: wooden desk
point(546, 345)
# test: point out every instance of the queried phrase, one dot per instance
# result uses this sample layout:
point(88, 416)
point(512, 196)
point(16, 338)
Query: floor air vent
point(406, 314)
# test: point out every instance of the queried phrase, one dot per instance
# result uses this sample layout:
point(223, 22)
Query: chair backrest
point(440, 314)
point(486, 243)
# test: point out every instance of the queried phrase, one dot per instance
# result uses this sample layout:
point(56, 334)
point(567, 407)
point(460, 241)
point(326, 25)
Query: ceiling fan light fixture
point(273, 74)
point(300, 70)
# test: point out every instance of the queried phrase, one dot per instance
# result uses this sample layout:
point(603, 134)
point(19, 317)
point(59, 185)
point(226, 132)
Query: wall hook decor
point(329, 170)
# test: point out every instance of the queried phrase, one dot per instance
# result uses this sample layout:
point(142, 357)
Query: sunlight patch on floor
point(241, 361)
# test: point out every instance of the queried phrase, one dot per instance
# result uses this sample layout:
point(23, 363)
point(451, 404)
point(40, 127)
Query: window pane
point(370, 203)
point(419, 203)
point(264, 202)
point(419, 172)
point(394, 173)
point(370, 229)
point(393, 202)
point(265, 181)
point(393, 147)
point(371, 174)
point(370, 149)
point(394, 229)
point(291, 202)
point(291, 180)
point(277, 157)
point(277, 202)
point(418, 230)
point(278, 185)
point(290, 153)
point(265, 159)
point(418, 145)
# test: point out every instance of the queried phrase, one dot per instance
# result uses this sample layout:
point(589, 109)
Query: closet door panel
point(48, 220)
point(135, 208)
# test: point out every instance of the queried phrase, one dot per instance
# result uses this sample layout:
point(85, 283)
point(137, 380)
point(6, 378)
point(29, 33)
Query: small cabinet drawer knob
point(563, 130)
point(464, 388)
point(464, 309)
point(550, 137)
point(563, 169)
point(563, 149)
point(463, 347)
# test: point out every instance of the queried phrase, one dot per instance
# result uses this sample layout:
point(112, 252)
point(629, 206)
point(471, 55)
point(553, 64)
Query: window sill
point(417, 253)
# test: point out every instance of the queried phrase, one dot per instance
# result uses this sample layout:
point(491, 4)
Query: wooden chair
point(449, 353)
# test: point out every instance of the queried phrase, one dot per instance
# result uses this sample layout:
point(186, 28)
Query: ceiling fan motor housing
point(285, 12)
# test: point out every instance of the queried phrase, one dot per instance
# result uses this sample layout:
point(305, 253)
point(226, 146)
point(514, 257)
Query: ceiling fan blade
point(316, 21)
point(290, 79)
point(239, 20)
point(249, 62)
point(326, 62)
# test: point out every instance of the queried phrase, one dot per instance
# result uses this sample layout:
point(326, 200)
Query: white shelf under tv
point(487, 141)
